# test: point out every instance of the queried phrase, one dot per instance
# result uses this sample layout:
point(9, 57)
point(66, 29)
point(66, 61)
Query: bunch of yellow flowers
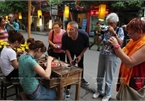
point(2, 44)
point(23, 47)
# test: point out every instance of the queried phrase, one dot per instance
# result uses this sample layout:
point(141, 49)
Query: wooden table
point(64, 77)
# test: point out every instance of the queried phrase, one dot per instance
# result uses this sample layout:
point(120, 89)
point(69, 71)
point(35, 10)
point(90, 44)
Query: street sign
point(84, 24)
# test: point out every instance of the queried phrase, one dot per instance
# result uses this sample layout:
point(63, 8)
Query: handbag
point(50, 48)
point(127, 93)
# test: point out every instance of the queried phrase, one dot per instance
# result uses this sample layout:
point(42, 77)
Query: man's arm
point(11, 26)
point(69, 56)
point(81, 54)
point(16, 27)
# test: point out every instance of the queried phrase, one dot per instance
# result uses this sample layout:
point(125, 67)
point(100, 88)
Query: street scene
point(72, 50)
point(91, 63)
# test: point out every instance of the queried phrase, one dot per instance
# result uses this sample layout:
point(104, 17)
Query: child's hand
point(49, 58)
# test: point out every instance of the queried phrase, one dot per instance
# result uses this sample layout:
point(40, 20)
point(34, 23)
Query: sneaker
point(67, 93)
point(106, 98)
point(96, 95)
point(84, 82)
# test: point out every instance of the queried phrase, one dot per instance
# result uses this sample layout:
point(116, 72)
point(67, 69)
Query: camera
point(58, 46)
point(104, 29)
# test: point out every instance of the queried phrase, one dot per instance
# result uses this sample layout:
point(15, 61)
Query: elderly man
point(75, 42)
point(12, 25)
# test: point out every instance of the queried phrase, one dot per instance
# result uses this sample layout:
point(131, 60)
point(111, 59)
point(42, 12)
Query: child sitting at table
point(28, 68)
point(8, 56)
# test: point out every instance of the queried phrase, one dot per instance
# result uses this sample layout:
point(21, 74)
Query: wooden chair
point(4, 87)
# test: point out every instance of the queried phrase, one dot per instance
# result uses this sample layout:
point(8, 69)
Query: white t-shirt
point(6, 56)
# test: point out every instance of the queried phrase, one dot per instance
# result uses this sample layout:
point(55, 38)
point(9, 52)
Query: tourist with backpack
point(108, 60)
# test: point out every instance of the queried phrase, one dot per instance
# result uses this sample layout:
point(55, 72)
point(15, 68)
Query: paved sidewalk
point(45, 33)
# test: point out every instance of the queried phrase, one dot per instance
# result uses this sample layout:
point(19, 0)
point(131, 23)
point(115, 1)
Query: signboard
point(53, 10)
point(84, 24)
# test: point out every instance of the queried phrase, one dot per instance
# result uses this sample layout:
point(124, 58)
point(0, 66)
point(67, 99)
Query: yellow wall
point(81, 16)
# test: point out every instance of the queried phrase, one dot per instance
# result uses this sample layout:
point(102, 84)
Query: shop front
point(93, 17)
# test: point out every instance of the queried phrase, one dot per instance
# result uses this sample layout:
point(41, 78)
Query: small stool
point(4, 86)
point(24, 96)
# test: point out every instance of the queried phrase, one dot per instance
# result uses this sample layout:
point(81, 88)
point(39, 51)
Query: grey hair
point(73, 23)
point(12, 15)
point(112, 17)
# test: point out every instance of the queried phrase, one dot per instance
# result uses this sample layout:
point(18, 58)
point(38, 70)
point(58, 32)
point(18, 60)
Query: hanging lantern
point(40, 21)
point(20, 15)
point(6, 17)
point(66, 12)
point(102, 10)
point(50, 24)
point(39, 12)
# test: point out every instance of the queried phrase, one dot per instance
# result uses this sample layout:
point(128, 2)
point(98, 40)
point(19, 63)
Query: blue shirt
point(15, 25)
point(27, 74)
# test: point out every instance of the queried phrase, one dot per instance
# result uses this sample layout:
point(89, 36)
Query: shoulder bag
point(50, 48)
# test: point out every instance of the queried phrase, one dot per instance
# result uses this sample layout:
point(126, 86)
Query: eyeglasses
point(130, 35)
point(56, 27)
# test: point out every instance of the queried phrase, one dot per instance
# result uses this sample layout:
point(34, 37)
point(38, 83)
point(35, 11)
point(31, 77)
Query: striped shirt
point(3, 34)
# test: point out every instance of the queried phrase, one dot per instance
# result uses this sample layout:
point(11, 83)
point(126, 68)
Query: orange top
point(125, 71)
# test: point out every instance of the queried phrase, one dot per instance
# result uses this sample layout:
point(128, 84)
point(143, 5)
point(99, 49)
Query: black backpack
point(123, 44)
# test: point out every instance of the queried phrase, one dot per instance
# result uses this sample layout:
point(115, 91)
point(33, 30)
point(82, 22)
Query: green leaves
point(128, 3)
point(119, 4)
point(12, 6)
point(54, 2)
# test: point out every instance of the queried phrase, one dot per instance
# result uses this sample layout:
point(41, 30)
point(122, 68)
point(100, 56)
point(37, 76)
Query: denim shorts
point(44, 94)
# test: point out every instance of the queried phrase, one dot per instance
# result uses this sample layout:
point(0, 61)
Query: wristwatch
point(116, 46)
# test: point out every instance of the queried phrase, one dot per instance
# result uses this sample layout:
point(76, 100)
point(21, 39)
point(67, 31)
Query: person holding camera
point(131, 78)
point(108, 60)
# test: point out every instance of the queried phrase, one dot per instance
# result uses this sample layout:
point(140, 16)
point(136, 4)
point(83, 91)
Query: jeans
point(106, 69)
point(44, 94)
